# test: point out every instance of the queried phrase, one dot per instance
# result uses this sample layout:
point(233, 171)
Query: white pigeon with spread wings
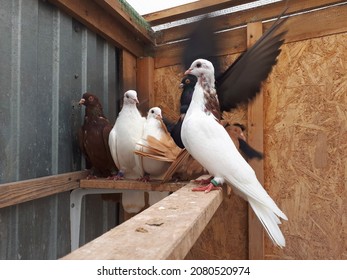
point(123, 137)
point(209, 143)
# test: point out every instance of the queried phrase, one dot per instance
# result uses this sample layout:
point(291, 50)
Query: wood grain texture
point(130, 185)
point(305, 147)
point(256, 140)
point(22, 191)
point(167, 230)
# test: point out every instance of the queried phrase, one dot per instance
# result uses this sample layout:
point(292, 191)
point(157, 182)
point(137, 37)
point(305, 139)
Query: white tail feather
point(270, 222)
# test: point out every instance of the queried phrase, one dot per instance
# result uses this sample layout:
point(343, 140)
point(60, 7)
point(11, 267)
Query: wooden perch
point(167, 230)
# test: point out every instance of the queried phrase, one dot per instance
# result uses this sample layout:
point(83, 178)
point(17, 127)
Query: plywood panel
point(305, 147)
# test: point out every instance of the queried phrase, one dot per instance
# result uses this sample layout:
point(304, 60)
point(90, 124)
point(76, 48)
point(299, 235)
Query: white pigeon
point(122, 140)
point(153, 127)
point(209, 143)
point(155, 169)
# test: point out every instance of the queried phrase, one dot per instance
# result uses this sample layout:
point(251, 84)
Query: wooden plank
point(190, 10)
point(230, 42)
point(18, 192)
point(233, 20)
point(167, 230)
point(95, 18)
point(128, 71)
point(320, 23)
point(256, 140)
point(145, 83)
point(131, 185)
point(135, 24)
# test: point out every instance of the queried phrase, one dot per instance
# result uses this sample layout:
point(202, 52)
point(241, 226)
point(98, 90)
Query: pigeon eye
point(198, 64)
point(187, 81)
point(152, 111)
point(127, 96)
point(90, 98)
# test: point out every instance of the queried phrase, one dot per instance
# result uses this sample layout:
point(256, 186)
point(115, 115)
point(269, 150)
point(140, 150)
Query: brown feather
point(94, 137)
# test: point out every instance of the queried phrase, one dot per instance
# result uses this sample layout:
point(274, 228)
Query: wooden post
point(145, 82)
point(255, 139)
point(128, 68)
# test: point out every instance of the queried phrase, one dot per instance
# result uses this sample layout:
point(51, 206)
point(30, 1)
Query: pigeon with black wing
point(208, 142)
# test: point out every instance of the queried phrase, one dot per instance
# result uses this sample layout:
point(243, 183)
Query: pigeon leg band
point(214, 182)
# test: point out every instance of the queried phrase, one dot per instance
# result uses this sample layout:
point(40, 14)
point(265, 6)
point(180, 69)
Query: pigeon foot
point(206, 189)
point(202, 181)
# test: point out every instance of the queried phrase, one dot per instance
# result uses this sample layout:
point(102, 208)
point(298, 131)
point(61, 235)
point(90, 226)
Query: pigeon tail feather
point(270, 222)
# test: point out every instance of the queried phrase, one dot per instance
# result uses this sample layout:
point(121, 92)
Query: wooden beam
point(130, 185)
point(256, 140)
point(190, 10)
point(22, 191)
point(228, 21)
point(98, 20)
point(128, 71)
point(145, 82)
point(320, 23)
point(135, 23)
point(167, 230)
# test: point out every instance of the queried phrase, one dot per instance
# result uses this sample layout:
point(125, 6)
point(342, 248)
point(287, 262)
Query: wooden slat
point(324, 22)
point(115, 9)
point(145, 83)
point(130, 185)
point(98, 20)
point(167, 230)
point(256, 140)
point(241, 18)
point(22, 191)
point(190, 10)
point(128, 71)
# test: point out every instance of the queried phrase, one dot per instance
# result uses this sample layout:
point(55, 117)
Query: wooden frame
point(22, 191)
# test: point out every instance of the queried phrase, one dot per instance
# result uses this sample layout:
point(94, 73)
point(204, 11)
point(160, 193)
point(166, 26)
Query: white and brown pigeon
point(123, 137)
point(153, 141)
point(209, 143)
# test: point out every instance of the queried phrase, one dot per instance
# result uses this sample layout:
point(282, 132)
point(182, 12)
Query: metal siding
point(48, 60)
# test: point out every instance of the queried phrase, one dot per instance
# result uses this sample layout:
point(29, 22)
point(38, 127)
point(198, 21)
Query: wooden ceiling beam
point(92, 15)
point(190, 10)
point(135, 23)
point(241, 18)
point(300, 27)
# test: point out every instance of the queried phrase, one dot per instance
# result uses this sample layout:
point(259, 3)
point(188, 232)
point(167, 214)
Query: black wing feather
point(241, 82)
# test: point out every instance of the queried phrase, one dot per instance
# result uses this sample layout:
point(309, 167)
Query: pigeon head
point(89, 99)
point(188, 81)
point(154, 113)
point(130, 97)
point(203, 69)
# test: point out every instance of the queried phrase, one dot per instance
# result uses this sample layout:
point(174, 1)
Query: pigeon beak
point(181, 85)
point(82, 101)
point(243, 137)
point(136, 100)
point(189, 71)
point(159, 117)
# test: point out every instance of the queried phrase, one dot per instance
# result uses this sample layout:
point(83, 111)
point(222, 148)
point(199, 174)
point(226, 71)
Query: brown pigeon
point(93, 137)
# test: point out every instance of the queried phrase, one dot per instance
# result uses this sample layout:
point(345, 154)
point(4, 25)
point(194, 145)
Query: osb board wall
point(226, 236)
point(306, 147)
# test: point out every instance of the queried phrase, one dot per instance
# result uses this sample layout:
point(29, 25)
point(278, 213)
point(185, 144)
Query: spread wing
point(241, 82)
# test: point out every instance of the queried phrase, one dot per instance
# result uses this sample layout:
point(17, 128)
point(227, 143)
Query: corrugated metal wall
point(47, 61)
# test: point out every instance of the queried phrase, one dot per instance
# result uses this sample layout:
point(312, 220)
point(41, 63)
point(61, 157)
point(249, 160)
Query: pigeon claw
point(206, 189)
point(202, 181)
